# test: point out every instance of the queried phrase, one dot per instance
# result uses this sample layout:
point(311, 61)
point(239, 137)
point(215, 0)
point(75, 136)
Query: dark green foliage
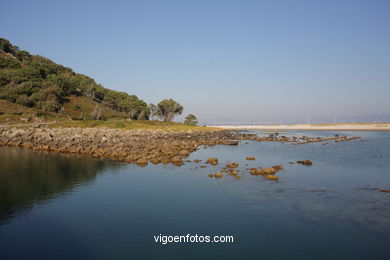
point(166, 109)
point(191, 120)
point(35, 81)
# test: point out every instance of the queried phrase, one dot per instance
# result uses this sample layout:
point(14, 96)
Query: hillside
point(34, 88)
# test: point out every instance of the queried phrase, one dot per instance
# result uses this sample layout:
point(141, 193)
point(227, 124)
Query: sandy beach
point(330, 127)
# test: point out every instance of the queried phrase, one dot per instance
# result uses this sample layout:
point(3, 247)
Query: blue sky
point(223, 60)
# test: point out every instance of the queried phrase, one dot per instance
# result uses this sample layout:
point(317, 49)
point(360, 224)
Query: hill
point(33, 87)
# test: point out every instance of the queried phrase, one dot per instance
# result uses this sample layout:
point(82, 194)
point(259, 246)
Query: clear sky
point(222, 60)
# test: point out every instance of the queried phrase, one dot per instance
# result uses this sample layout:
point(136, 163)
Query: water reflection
point(28, 177)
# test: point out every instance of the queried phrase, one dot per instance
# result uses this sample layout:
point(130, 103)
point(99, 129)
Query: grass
point(118, 123)
point(80, 108)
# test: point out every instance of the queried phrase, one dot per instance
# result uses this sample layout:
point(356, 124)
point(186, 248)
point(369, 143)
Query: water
point(58, 206)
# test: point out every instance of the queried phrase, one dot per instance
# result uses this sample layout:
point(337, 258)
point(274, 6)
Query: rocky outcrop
point(133, 146)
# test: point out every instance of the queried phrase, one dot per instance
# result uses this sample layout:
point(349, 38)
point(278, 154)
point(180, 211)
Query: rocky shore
point(135, 146)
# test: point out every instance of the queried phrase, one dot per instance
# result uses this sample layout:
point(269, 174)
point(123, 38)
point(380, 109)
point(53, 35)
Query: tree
point(191, 120)
point(168, 108)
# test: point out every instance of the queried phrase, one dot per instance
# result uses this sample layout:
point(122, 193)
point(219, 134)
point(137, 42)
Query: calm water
point(57, 206)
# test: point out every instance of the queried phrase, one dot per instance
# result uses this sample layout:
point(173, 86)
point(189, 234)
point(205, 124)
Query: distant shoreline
point(323, 127)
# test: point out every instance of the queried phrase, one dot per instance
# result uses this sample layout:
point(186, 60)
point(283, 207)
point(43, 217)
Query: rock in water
point(268, 171)
point(272, 177)
point(250, 158)
point(277, 167)
point(218, 175)
point(142, 162)
point(230, 142)
point(305, 162)
point(212, 161)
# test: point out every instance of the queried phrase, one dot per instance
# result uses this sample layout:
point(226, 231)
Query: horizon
point(258, 61)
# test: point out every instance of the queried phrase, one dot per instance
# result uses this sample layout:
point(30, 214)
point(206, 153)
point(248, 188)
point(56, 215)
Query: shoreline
point(316, 127)
point(139, 146)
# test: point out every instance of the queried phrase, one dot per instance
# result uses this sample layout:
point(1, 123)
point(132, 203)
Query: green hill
point(33, 86)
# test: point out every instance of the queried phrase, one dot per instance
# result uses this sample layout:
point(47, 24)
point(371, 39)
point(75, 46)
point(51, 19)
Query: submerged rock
point(305, 162)
point(272, 177)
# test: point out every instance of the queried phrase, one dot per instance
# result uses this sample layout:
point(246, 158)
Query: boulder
point(218, 175)
point(176, 160)
point(212, 161)
point(142, 162)
point(184, 153)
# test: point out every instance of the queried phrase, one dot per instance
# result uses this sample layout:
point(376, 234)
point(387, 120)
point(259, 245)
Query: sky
point(224, 61)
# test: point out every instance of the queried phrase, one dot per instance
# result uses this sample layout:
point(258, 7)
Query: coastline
point(138, 146)
point(319, 127)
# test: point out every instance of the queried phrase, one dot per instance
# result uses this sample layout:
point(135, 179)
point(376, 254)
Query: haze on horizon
point(224, 61)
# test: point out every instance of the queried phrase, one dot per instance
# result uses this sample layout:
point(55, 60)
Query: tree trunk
point(170, 117)
point(141, 115)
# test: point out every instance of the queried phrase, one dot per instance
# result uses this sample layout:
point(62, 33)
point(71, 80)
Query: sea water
point(65, 206)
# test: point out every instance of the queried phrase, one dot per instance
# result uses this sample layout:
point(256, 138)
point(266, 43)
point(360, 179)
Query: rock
point(232, 165)
point(384, 190)
point(184, 153)
point(237, 177)
point(230, 142)
point(155, 161)
point(305, 162)
point(250, 158)
point(277, 167)
point(211, 175)
point(197, 160)
point(272, 177)
point(212, 161)
point(233, 171)
point(218, 175)
point(176, 160)
point(268, 171)
point(142, 162)
point(255, 172)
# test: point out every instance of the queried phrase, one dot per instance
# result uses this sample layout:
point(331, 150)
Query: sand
point(330, 127)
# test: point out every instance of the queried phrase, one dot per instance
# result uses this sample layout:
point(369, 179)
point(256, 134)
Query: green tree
point(168, 108)
point(191, 120)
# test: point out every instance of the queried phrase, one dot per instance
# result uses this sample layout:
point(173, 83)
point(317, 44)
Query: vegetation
point(37, 82)
point(191, 120)
point(34, 89)
point(166, 110)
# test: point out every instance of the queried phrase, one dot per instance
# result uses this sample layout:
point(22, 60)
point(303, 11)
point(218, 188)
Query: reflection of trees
point(27, 177)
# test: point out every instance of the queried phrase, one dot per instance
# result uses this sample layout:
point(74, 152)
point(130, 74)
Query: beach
point(322, 127)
